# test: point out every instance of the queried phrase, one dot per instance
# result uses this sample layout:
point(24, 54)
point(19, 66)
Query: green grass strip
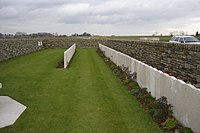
point(85, 98)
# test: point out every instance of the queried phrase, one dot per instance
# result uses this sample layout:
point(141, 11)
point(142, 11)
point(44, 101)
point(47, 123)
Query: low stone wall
point(68, 41)
point(10, 48)
point(179, 60)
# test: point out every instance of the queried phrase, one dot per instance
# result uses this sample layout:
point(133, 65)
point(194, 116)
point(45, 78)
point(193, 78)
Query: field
point(86, 97)
point(162, 38)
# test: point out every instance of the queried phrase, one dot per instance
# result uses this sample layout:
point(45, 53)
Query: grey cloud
point(102, 12)
point(117, 12)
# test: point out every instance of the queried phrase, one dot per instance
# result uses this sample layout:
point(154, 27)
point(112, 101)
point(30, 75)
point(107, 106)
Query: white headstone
point(40, 43)
point(0, 85)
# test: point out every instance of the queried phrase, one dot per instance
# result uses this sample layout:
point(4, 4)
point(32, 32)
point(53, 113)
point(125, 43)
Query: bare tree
point(197, 33)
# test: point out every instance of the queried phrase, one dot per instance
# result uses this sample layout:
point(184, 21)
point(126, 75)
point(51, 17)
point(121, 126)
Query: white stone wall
point(68, 54)
point(185, 98)
point(149, 38)
point(40, 43)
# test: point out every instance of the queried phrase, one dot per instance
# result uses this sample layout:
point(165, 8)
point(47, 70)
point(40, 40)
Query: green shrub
point(187, 130)
point(135, 91)
point(131, 85)
point(169, 124)
point(160, 110)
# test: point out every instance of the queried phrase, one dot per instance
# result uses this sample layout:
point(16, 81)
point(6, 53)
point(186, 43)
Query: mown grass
point(87, 97)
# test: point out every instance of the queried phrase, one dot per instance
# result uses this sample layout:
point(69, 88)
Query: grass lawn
point(87, 97)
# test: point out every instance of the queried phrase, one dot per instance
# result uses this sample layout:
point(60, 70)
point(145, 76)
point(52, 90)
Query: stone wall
point(68, 41)
point(179, 60)
point(10, 48)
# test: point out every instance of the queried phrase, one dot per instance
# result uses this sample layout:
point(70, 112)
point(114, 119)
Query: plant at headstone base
point(187, 130)
point(147, 100)
point(169, 124)
point(142, 92)
point(132, 85)
point(157, 115)
point(125, 76)
point(135, 91)
point(122, 67)
point(133, 76)
point(143, 96)
point(113, 66)
point(160, 110)
point(117, 72)
point(165, 107)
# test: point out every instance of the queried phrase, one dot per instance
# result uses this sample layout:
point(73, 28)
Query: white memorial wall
point(68, 54)
point(185, 98)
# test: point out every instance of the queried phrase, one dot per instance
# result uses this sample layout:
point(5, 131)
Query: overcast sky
point(102, 17)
